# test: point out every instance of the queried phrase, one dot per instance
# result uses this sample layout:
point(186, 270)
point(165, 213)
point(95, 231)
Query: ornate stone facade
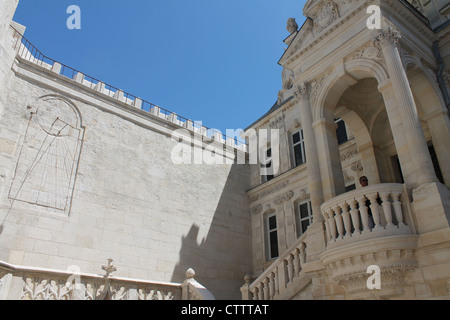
point(354, 102)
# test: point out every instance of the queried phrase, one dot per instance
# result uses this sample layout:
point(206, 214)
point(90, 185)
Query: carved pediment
point(322, 16)
point(303, 37)
point(323, 13)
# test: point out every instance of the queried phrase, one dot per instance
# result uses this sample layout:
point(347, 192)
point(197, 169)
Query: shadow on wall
point(223, 257)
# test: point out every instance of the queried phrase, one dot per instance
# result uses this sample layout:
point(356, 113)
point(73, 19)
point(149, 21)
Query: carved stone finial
point(190, 273)
point(292, 26)
point(109, 269)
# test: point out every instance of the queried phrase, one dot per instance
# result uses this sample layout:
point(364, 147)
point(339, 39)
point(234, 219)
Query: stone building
point(90, 173)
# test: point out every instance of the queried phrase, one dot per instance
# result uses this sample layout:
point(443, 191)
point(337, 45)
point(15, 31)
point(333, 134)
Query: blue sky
point(214, 61)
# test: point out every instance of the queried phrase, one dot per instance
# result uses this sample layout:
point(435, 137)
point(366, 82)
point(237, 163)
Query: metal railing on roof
point(26, 50)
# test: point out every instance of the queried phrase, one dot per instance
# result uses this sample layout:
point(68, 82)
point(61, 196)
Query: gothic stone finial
point(109, 269)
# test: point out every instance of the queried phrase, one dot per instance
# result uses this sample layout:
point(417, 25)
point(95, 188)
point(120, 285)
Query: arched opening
point(434, 118)
point(355, 98)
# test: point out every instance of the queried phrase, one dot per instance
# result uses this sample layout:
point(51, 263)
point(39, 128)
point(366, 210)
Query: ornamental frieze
point(283, 198)
point(268, 192)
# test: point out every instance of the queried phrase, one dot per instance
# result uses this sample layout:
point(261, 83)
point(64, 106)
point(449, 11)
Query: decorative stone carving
point(351, 272)
point(267, 192)
point(387, 36)
point(283, 198)
point(257, 209)
point(316, 85)
point(326, 13)
point(349, 154)
point(303, 195)
point(277, 122)
point(357, 166)
point(292, 26)
point(302, 92)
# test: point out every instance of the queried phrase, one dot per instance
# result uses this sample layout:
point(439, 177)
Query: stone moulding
point(393, 255)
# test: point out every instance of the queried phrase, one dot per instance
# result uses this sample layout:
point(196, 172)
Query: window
point(298, 146)
point(341, 131)
point(303, 218)
point(271, 237)
point(267, 165)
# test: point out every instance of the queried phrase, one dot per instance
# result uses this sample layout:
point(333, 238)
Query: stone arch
point(433, 115)
point(336, 83)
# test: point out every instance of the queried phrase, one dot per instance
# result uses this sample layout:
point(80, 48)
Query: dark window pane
point(341, 132)
point(296, 137)
point(273, 245)
point(298, 155)
point(272, 223)
point(304, 211)
point(305, 224)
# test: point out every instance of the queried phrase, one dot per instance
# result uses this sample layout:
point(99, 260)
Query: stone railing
point(27, 283)
point(275, 280)
point(371, 212)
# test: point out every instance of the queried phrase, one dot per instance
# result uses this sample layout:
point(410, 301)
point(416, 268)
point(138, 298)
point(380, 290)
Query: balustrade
point(280, 274)
point(25, 283)
point(379, 208)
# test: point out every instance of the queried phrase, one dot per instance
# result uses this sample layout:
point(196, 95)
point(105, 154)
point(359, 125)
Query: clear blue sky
point(214, 61)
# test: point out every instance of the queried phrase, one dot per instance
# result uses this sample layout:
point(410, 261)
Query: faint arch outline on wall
point(49, 155)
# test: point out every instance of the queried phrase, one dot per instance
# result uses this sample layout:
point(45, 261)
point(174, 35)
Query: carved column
point(387, 40)
point(302, 96)
point(316, 232)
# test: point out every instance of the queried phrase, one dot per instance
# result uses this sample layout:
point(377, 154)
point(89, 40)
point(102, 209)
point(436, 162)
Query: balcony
point(371, 212)
point(367, 227)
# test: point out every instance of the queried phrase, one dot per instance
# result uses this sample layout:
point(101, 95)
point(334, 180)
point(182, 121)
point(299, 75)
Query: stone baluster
point(398, 208)
point(290, 268)
point(261, 291)
point(276, 281)
point(255, 293)
point(375, 209)
point(347, 219)
point(297, 264)
point(339, 223)
point(363, 210)
point(354, 212)
point(265, 283)
point(387, 209)
point(331, 224)
point(272, 285)
point(327, 227)
point(302, 254)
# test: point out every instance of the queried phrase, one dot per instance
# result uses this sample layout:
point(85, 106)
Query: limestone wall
point(84, 178)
